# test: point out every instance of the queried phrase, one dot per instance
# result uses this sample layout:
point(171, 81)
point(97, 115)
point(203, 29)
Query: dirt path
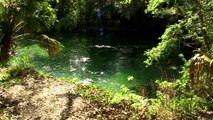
point(39, 99)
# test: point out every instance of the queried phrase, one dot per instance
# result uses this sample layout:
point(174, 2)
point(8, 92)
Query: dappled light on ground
point(40, 97)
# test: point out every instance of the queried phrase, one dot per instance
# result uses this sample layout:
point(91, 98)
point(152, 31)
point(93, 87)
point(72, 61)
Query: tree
point(80, 13)
point(25, 19)
point(192, 26)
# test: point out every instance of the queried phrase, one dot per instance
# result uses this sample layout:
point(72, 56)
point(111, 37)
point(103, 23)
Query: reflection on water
point(101, 61)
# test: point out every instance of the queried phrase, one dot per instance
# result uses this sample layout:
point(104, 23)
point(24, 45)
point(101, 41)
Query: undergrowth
point(10, 72)
point(178, 100)
point(126, 103)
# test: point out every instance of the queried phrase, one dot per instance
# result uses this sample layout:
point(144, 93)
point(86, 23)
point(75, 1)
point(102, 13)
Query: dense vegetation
point(188, 34)
point(25, 19)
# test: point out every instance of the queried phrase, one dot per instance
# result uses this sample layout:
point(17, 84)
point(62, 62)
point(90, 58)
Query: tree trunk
point(5, 47)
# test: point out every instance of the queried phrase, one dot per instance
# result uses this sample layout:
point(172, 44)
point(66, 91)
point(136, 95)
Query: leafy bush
point(177, 100)
point(126, 100)
point(16, 65)
point(3, 74)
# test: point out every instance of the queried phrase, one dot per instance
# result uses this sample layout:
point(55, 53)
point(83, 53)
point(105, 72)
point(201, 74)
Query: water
point(107, 61)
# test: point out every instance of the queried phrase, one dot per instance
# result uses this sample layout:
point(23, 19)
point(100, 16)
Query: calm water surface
point(108, 61)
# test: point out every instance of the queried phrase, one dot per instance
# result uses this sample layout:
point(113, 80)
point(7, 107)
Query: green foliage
point(30, 15)
point(77, 14)
point(191, 21)
point(69, 22)
point(155, 7)
point(70, 14)
point(3, 74)
point(170, 41)
point(106, 97)
point(19, 63)
point(177, 100)
point(127, 95)
point(192, 27)
point(9, 75)
point(129, 8)
point(125, 102)
point(126, 1)
point(24, 19)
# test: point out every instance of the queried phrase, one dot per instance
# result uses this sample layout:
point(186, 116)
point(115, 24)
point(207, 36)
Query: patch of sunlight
point(129, 78)
point(83, 69)
point(75, 78)
point(173, 68)
point(72, 68)
point(84, 59)
point(85, 81)
point(47, 68)
point(103, 46)
point(76, 61)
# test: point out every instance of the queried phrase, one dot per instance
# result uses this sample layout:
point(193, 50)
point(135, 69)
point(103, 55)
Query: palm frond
point(54, 47)
point(18, 27)
point(201, 75)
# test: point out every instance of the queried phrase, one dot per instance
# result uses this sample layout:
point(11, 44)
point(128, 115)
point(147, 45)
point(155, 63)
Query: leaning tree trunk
point(5, 46)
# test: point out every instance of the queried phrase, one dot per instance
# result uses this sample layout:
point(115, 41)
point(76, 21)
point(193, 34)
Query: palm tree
point(24, 19)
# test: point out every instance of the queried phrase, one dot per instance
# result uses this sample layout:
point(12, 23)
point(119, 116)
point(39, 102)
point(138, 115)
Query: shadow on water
point(102, 60)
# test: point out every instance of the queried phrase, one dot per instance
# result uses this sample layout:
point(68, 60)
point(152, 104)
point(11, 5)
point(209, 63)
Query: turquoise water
point(107, 61)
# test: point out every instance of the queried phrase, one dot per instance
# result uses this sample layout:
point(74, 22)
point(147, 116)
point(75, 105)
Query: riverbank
point(41, 97)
